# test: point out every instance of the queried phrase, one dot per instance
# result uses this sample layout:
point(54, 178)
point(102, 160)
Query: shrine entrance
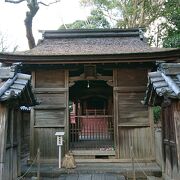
point(91, 121)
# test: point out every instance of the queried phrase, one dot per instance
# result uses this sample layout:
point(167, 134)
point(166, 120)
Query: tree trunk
point(29, 34)
point(33, 9)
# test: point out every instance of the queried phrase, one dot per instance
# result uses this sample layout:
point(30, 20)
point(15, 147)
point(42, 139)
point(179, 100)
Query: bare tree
point(33, 6)
point(5, 45)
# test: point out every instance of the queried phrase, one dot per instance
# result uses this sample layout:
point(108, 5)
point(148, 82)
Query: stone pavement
point(102, 176)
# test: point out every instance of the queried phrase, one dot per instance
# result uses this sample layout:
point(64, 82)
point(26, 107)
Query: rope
point(21, 177)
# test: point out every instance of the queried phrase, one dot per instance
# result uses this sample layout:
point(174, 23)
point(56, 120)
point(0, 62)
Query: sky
point(48, 18)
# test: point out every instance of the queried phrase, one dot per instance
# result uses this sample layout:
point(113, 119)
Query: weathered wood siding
point(176, 163)
point(9, 144)
point(51, 88)
point(133, 127)
point(171, 140)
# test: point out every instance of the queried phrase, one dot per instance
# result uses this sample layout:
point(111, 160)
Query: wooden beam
point(49, 126)
point(130, 89)
point(134, 125)
point(59, 106)
point(50, 90)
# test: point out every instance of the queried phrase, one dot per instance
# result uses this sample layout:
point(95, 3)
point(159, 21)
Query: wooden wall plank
point(131, 110)
point(141, 141)
point(46, 141)
point(132, 77)
point(50, 79)
point(51, 88)
point(49, 99)
point(131, 116)
point(49, 117)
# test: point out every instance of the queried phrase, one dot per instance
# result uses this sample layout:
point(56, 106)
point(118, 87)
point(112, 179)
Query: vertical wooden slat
point(19, 127)
point(152, 138)
point(11, 142)
point(32, 145)
point(19, 124)
point(3, 135)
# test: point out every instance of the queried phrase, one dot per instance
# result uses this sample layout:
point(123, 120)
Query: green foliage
point(172, 40)
point(95, 20)
point(172, 13)
point(127, 13)
point(157, 114)
point(136, 13)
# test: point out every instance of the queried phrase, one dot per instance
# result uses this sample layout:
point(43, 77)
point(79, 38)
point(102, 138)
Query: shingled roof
point(14, 85)
point(92, 42)
point(165, 83)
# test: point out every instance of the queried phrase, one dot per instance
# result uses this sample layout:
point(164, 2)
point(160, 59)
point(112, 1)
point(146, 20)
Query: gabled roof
point(17, 86)
point(165, 83)
point(92, 42)
point(92, 46)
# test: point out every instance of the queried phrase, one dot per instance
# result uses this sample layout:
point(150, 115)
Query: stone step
point(154, 178)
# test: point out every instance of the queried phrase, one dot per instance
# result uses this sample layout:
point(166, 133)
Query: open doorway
point(91, 120)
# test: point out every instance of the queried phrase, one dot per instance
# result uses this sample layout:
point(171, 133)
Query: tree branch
point(14, 2)
point(49, 3)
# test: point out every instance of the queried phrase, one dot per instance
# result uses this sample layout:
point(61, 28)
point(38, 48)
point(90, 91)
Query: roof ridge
point(90, 33)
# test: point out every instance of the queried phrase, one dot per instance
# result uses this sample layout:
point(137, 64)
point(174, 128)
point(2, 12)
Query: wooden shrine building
point(164, 90)
point(15, 91)
point(90, 84)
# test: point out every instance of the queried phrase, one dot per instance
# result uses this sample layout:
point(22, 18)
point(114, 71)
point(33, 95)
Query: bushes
point(157, 114)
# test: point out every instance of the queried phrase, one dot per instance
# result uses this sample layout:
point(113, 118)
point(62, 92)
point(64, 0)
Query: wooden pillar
point(3, 135)
point(11, 163)
point(32, 153)
point(67, 111)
